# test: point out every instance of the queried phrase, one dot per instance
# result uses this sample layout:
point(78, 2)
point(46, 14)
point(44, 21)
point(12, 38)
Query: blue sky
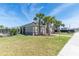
point(18, 14)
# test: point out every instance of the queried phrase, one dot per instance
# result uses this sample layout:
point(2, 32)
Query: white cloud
point(59, 9)
point(32, 11)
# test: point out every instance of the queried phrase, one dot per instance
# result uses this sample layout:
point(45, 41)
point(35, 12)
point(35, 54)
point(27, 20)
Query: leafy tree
point(1, 26)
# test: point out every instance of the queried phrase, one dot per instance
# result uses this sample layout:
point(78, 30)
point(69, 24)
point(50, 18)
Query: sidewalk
point(72, 47)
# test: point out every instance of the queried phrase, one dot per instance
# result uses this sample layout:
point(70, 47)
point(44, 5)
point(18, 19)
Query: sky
point(17, 14)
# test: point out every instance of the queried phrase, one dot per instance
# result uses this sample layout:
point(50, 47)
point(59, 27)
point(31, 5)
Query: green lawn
point(31, 45)
point(65, 33)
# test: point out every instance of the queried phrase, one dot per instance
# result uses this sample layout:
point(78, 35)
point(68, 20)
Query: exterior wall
point(29, 30)
point(32, 29)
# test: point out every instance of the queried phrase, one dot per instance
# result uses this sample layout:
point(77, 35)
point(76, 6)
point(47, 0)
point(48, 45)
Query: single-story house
point(33, 29)
point(4, 32)
point(66, 29)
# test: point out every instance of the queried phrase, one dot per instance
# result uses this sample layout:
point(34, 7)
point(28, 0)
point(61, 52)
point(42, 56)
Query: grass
point(70, 34)
point(65, 33)
point(21, 45)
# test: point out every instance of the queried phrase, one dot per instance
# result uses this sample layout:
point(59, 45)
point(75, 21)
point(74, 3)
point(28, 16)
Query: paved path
point(72, 47)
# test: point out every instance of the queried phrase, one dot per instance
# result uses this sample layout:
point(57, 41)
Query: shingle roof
point(31, 24)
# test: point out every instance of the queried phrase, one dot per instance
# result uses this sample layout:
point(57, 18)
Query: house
point(4, 32)
point(66, 29)
point(33, 29)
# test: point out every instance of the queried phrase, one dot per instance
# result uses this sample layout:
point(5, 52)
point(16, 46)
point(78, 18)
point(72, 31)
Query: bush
point(13, 32)
point(68, 31)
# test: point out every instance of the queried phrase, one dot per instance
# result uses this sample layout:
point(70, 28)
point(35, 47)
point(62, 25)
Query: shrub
point(13, 31)
point(68, 31)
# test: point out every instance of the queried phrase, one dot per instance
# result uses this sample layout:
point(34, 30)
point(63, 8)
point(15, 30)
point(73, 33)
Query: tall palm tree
point(47, 21)
point(57, 24)
point(63, 25)
point(38, 18)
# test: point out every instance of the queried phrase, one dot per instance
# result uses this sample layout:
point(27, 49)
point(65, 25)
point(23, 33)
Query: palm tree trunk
point(39, 27)
point(47, 30)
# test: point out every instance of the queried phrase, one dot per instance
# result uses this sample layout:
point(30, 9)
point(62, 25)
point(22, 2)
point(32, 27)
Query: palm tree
point(63, 25)
point(38, 18)
point(57, 24)
point(47, 21)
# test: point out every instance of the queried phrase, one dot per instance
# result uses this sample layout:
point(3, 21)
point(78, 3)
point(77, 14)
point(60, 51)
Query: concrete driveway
point(72, 47)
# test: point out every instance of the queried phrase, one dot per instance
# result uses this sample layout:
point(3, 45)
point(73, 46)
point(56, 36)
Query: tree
point(57, 24)
point(41, 19)
point(1, 26)
point(38, 18)
point(13, 31)
point(47, 21)
point(63, 25)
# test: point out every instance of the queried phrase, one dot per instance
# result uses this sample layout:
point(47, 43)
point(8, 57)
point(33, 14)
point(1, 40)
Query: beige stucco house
point(32, 29)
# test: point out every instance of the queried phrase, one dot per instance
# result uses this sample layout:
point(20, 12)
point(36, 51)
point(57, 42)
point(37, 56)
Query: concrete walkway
point(72, 47)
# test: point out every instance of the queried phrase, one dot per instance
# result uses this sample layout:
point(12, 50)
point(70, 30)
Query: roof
point(31, 25)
